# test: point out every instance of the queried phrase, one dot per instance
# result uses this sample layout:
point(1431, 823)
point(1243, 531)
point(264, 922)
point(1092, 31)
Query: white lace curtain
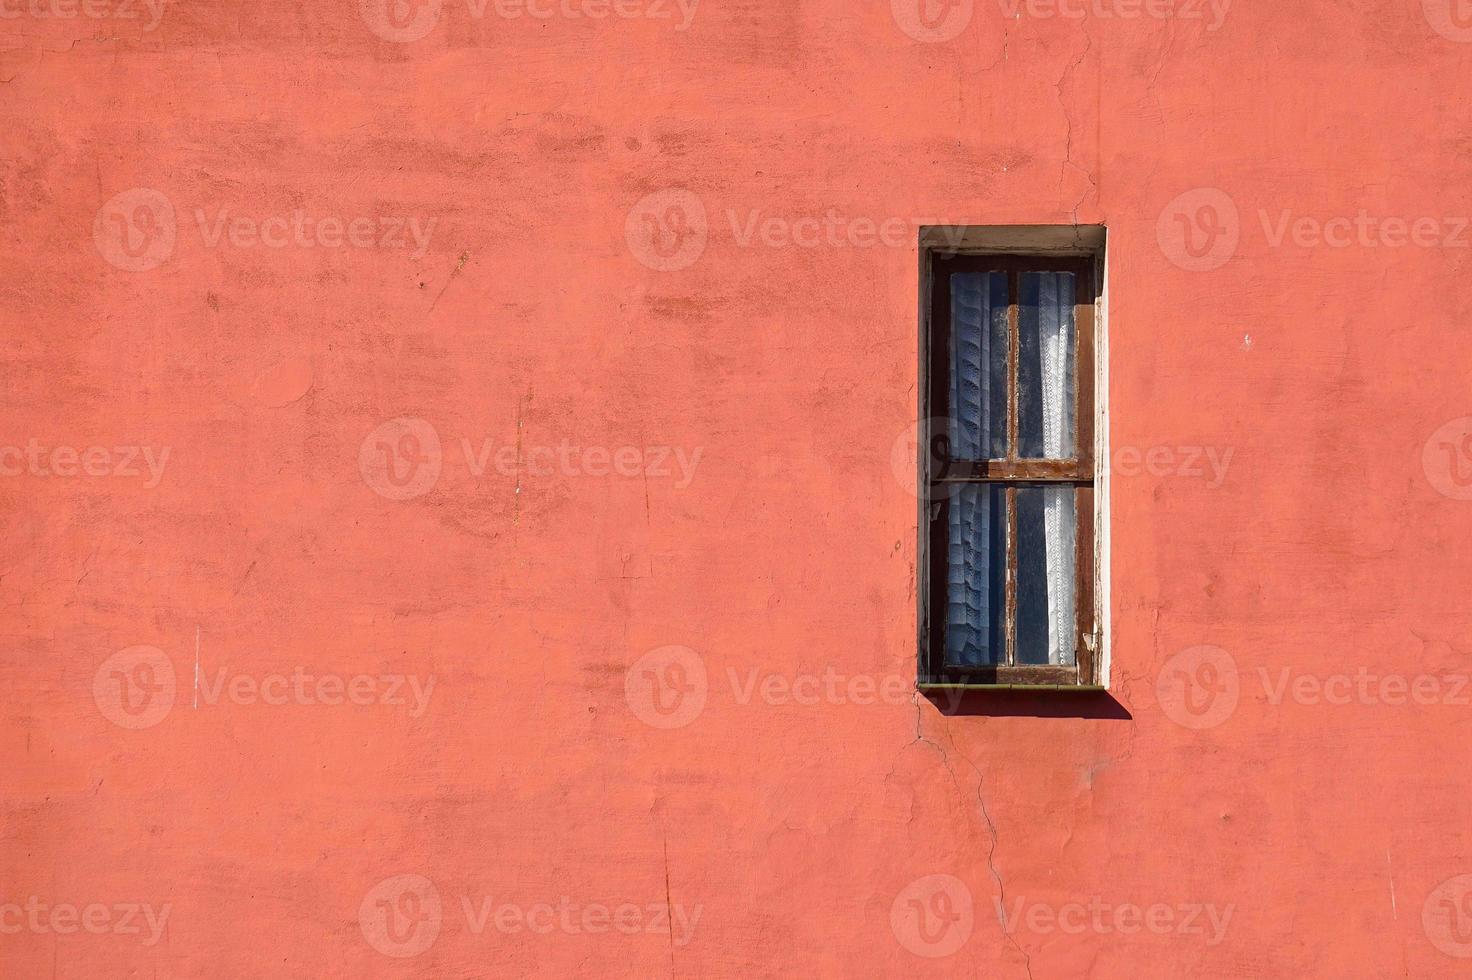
point(1056, 346)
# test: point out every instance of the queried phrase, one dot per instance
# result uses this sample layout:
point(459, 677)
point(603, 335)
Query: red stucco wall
point(273, 709)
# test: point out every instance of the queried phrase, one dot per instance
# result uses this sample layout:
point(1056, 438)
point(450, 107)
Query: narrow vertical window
point(1009, 472)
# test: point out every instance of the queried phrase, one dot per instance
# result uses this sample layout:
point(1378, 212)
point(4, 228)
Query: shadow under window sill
point(1024, 700)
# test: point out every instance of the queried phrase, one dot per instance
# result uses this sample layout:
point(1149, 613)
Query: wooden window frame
point(940, 475)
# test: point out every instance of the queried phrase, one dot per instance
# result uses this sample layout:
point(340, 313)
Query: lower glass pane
point(1047, 528)
point(976, 563)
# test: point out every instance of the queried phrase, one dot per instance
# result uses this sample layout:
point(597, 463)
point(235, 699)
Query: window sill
point(1061, 688)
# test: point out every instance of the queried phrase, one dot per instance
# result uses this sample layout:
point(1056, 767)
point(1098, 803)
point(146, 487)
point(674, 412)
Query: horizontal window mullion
point(1000, 470)
point(1013, 481)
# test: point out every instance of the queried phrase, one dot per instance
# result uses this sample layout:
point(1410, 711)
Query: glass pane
point(978, 365)
point(1046, 530)
point(1046, 352)
point(976, 565)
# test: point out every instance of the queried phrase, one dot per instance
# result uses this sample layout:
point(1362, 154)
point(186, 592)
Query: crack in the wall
point(1068, 132)
point(86, 570)
point(991, 826)
point(464, 257)
point(1170, 39)
point(516, 494)
point(669, 910)
point(1006, 46)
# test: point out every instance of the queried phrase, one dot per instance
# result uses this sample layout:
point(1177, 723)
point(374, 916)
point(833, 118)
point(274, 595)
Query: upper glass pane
point(978, 424)
point(1047, 351)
